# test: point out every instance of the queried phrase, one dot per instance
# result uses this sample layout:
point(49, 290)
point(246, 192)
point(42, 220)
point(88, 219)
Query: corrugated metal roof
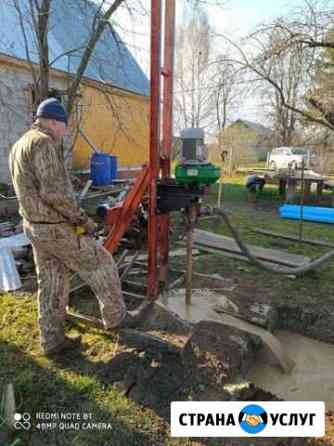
point(70, 24)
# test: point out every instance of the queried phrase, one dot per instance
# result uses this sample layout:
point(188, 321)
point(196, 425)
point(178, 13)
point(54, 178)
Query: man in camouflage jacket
point(50, 216)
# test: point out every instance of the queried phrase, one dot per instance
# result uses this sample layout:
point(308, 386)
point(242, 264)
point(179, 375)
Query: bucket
point(113, 162)
point(100, 169)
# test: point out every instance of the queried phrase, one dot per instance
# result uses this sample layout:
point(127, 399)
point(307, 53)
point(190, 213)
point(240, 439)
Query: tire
point(272, 165)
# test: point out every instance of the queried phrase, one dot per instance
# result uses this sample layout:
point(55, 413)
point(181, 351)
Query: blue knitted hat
point(52, 109)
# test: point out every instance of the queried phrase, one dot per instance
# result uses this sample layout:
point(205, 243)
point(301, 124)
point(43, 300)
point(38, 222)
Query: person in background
point(61, 233)
point(254, 183)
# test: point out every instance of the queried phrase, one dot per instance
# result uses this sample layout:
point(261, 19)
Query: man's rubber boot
point(67, 345)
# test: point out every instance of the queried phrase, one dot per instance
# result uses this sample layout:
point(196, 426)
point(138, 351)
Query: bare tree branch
point(25, 39)
point(101, 20)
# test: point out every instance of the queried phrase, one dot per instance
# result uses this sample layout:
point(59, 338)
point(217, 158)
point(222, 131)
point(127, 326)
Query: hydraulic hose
point(277, 269)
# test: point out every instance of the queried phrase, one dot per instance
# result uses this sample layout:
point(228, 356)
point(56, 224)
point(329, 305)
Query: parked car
point(291, 157)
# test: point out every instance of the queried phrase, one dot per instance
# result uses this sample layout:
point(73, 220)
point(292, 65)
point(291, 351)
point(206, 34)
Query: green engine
point(194, 168)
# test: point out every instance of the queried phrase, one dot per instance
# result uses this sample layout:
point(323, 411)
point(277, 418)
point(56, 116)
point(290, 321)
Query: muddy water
point(312, 378)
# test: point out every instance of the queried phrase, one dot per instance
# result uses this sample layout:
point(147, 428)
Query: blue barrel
point(100, 169)
point(113, 162)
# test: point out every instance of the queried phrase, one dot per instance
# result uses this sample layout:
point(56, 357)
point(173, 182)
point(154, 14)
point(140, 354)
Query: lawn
point(77, 384)
point(305, 298)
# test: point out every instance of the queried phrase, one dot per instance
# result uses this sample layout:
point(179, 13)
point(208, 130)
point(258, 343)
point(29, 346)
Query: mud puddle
point(312, 378)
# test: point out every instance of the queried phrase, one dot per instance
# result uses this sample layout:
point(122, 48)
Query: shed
point(248, 142)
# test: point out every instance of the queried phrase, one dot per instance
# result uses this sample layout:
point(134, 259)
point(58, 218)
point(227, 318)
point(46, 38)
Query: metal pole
point(231, 162)
point(152, 282)
point(220, 188)
point(191, 215)
point(167, 129)
point(301, 221)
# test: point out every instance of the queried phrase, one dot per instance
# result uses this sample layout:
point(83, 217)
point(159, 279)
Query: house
point(247, 142)
point(113, 106)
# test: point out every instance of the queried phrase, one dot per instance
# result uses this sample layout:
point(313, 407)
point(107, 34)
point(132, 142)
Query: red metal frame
point(119, 218)
point(152, 282)
point(167, 129)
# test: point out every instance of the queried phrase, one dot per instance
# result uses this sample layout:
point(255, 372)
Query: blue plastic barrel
point(100, 169)
point(113, 162)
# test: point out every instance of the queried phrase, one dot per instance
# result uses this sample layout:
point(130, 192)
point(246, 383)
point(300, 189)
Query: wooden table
point(288, 182)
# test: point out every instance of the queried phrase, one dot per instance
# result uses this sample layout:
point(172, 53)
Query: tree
point(287, 71)
point(226, 94)
point(320, 95)
point(204, 90)
point(294, 41)
point(192, 101)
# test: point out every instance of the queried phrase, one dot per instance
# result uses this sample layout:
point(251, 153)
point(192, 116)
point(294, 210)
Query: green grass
point(76, 383)
point(72, 384)
point(245, 215)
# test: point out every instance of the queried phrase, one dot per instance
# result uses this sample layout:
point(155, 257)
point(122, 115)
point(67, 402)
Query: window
point(299, 151)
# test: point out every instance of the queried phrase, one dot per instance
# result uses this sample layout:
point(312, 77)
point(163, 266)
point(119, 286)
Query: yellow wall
point(117, 123)
point(238, 140)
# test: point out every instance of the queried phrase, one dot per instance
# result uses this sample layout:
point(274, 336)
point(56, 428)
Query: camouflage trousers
point(58, 251)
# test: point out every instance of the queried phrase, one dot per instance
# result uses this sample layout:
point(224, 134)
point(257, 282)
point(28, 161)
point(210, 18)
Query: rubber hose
point(278, 269)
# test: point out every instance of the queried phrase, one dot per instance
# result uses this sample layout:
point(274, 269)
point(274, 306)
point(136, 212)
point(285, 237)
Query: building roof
point(259, 128)
point(69, 25)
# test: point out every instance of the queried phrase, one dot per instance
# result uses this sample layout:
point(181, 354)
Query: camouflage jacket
point(41, 181)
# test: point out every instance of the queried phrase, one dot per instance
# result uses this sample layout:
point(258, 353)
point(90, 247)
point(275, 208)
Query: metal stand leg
point(191, 216)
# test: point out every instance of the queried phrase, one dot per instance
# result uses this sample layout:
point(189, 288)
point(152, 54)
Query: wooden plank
point(233, 255)
point(292, 238)
point(220, 242)
point(173, 253)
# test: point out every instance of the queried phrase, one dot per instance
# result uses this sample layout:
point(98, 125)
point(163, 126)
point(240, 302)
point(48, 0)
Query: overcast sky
point(235, 19)
point(241, 16)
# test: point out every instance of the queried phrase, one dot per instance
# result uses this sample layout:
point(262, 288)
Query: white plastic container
point(9, 277)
